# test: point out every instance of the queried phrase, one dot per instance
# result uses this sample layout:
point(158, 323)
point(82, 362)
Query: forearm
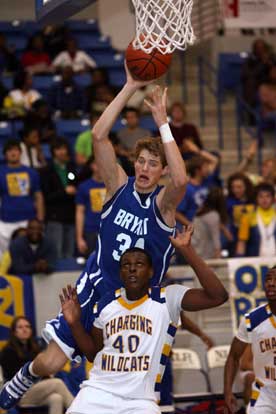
point(181, 218)
point(84, 341)
point(176, 164)
point(107, 119)
point(190, 326)
point(79, 223)
point(206, 276)
point(230, 372)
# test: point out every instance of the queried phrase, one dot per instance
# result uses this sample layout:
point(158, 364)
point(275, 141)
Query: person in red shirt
point(35, 59)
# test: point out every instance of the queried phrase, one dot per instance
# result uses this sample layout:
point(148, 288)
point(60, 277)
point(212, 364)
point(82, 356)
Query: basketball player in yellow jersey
point(133, 332)
point(257, 328)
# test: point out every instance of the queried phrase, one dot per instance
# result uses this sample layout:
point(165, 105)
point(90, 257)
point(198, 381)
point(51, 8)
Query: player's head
point(265, 195)
point(136, 269)
point(270, 284)
point(150, 163)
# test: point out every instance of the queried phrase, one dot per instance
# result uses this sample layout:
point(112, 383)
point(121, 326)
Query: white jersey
point(138, 337)
point(259, 329)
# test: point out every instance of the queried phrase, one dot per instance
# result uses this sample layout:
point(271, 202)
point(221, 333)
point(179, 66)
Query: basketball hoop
point(163, 24)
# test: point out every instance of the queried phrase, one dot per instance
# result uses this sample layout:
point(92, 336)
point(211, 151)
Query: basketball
point(147, 66)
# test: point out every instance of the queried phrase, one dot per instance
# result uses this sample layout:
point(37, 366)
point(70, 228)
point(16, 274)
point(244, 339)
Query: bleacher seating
point(70, 128)
point(229, 68)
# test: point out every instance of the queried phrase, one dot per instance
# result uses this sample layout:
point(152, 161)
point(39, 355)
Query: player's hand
point(183, 237)
point(157, 103)
point(231, 402)
point(70, 305)
point(135, 83)
point(82, 246)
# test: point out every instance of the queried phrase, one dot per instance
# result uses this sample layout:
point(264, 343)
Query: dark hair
point(131, 109)
point(152, 145)
point(249, 189)
point(179, 105)
point(11, 143)
point(59, 143)
point(265, 187)
point(195, 164)
point(30, 45)
point(14, 342)
point(215, 201)
point(28, 128)
point(137, 250)
point(20, 79)
point(270, 270)
point(16, 233)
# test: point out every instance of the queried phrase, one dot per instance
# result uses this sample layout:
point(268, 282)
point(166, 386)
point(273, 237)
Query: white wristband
point(166, 133)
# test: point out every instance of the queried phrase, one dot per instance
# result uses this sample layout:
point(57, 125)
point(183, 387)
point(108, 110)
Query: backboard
point(56, 11)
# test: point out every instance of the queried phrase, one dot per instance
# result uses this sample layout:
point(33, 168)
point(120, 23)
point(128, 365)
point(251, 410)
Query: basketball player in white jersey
point(257, 328)
point(133, 332)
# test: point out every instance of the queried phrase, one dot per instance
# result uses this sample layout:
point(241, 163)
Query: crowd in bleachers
point(54, 85)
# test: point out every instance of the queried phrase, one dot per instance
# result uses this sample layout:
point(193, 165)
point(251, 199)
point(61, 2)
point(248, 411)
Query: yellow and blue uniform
point(259, 329)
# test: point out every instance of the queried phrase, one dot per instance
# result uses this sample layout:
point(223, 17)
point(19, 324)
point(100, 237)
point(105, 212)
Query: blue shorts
point(90, 288)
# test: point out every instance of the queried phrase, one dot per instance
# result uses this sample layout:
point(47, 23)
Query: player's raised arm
point(72, 313)
point(113, 175)
point(212, 293)
point(169, 198)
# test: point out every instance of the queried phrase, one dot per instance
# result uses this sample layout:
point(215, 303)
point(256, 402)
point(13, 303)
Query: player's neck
point(272, 306)
point(144, 190)
point(136, 294)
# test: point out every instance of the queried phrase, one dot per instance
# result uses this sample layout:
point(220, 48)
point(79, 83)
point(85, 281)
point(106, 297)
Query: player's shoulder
point(158, 294)
point(256, 316)
point(106, 300)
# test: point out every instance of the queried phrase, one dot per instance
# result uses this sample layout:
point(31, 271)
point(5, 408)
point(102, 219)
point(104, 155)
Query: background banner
point(246, 277)
point(16, 299)
point(249, 13)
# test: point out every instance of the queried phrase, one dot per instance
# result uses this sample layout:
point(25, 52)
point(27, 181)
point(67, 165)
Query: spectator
point(21, 198)
point(35, 59)
point(5, 262)
point(59, 189)
point(129, 135)
point(21, 98)
point(99, 94)
point(267, 94)
point(207, 225)
point(55, 38)
point(33, 253)
point(240, 200)
point(22, 347)
point(182, 131)
point(79, 60)
point(8, 61)
point(255, 70)
point(257, 230)
point(200, 170)
point(89, 202)
point(66, 98)
point(84, 141)
point(31, 151)
point(40, 118)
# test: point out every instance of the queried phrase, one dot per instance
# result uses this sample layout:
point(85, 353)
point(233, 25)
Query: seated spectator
point(8, 60)
point(55, 38)
point(247, 374)
point(99, 94)
point(31, 151)
point(21, 198)
point(267, 94)
point(84, 142)
point(58, 182)
point(257, 230)
point(66, 99)
point(39, 117)
point(89, 203)
point(79, 60)
point(255, 70)
point(207, 225)
point(21, 98)
point(200, 170)
point(129, 135)
point(35, 59)
point(183, 132)
point(5, 262)
point(240, 200)
point(33, 253)
point(21, 348)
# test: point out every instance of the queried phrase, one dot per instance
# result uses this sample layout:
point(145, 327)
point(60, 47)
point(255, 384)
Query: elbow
point(95, 134)
point(223, 297)
point(90, 357)
point(180, 182)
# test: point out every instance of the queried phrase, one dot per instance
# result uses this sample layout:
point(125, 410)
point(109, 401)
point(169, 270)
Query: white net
point(163, 24)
